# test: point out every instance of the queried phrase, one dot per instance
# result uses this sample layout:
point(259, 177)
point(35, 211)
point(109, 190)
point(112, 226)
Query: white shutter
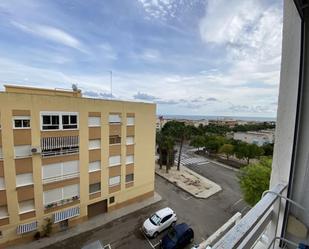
point(129, 159)
point(94, 144)
point(26, 206)
point(24, 179)
point(129, 140)
point(114, 181)
point(3, 212)
point(94, 166)
point(2, 183)
point(70, 167)
point(22, 150)
point(114, 160)
point(70, 191)
point(53, 195)
point(114, 118)
point(130, 120)
point(94, 121)
point(51, 170)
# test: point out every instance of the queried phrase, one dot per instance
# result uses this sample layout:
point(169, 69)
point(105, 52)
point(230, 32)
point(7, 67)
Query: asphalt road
point(205, 216)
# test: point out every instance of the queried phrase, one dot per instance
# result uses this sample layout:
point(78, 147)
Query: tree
point(169, 144)
point(268, 149)
point(227, 149)
point(197, 142)
point(248, 151)
point(160, 144)
point(254, 180)
point(213, 143)
point(180, 132)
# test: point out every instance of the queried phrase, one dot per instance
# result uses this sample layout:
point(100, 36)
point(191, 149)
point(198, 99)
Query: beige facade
point(69, 158)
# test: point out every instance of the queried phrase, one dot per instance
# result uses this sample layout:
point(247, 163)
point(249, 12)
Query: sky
point(210, 57)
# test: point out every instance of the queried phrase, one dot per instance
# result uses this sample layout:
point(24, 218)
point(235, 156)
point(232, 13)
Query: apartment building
point(256, 137)
point(69, 158)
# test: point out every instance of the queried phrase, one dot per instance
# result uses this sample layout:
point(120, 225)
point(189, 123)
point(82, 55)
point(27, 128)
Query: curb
point(185, 190)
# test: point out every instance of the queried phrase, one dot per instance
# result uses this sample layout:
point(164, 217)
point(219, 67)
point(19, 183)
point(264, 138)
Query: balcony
point(55, 146)
point(64, 202)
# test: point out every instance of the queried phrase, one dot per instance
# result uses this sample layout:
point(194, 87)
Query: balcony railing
point(250, 228)
point(62, 202)
point(53, 146)
point(60, 178)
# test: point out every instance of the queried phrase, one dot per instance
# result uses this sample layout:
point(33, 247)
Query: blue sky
point(215, 57)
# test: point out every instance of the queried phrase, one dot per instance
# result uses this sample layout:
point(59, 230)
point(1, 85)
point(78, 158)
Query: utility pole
point(111, 82)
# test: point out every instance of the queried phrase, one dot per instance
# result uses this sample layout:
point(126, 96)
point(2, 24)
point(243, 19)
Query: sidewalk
point(189, 181)
point(88, 225)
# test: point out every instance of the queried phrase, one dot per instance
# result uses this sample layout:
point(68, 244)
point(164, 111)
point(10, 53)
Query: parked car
point(178, 237)
point(159, 221)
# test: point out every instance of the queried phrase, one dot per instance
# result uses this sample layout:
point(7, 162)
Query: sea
point(199, 117)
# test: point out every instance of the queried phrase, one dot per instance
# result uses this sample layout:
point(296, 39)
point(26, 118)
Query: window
point(130, 178)
point(130, 121)
point(26, 206)
point(3, 212)
point(59, 120)
point(21, 122)
point(94, 188)
point(50, 122)
point(114, 118)
point(56, 195)
point(111, 199)
point(59, 171)
point(69, 121)
point(24, 179)
point(94, 166)
point(94, 121)
point(166, 218)
point(114, 140)
point(114, 160)
point(22, 150)
point(129, 140)
point(2, 183)
point(113, 181)
point(1, 153)
point(130, 159)
point(94, 144)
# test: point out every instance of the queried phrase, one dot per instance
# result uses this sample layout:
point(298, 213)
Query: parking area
point(205, 216)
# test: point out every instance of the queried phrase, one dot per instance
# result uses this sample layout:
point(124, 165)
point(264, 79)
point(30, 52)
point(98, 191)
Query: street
point(205, 216)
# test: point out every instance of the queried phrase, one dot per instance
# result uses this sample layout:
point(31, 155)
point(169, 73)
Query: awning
point(66, 214)
point(26, 228)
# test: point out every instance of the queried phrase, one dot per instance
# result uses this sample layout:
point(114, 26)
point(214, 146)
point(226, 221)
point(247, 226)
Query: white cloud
point(50, 33)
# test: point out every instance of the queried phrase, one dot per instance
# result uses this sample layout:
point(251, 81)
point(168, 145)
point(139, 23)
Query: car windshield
point(155, 219)
point(172, 234)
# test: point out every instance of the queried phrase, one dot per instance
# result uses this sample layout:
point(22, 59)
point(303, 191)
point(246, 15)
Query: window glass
point(65, 119)
point(18, 123)
point(130, 159)
point(114, 118)
point(94, 121)
point(114, 181)
point(114, 140)
point(3, 211)
point(24, 179)
point(114, 160)
point(2, 183)
point(22, 150)
point(96, 187)
point(129, 140)
point(26, 206)
point(94, 166)
point(130, 120)
point(130, 178)
point(21, 122)
point(94, 144)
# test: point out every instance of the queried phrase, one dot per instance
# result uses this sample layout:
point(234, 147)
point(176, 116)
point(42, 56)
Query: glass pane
point(26, 123)
point(65, 119)
point(46, 119)
point(17, 123)
point(55, 119)
point(73, 119)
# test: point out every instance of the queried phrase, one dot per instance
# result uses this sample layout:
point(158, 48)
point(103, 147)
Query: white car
point(159, 221)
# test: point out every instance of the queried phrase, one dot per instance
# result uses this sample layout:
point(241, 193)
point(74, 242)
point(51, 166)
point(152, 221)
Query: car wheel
point(173, 223)
point(155, 235)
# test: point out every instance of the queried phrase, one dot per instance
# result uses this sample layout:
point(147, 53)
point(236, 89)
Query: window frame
point(22, 156)
point(133, 121)
point(129, 138)
point(98, 191)
point(26, 211)
point(99, 169)
point(127, 163)
point(95, 148)
point(132, 174)
point(116, 184)
point(25, 184)
point(60, 117)
point(91, 117)
point(114, 137)
point(22, 118)
point(115, 164)
point(114, 114)
point(62, 194)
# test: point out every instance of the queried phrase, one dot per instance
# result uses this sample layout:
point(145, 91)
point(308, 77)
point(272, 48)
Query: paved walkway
point(189, 181)
point(88, 225)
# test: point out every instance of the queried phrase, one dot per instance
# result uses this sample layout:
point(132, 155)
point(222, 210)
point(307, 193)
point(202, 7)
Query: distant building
point(255, 137)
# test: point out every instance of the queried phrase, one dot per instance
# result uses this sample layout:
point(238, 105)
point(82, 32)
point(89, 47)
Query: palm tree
point(160, 144)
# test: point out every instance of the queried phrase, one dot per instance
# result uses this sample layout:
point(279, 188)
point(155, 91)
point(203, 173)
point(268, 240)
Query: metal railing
point(60, 178)
point(59, 152)
point(250, 228)
point(52, 143)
